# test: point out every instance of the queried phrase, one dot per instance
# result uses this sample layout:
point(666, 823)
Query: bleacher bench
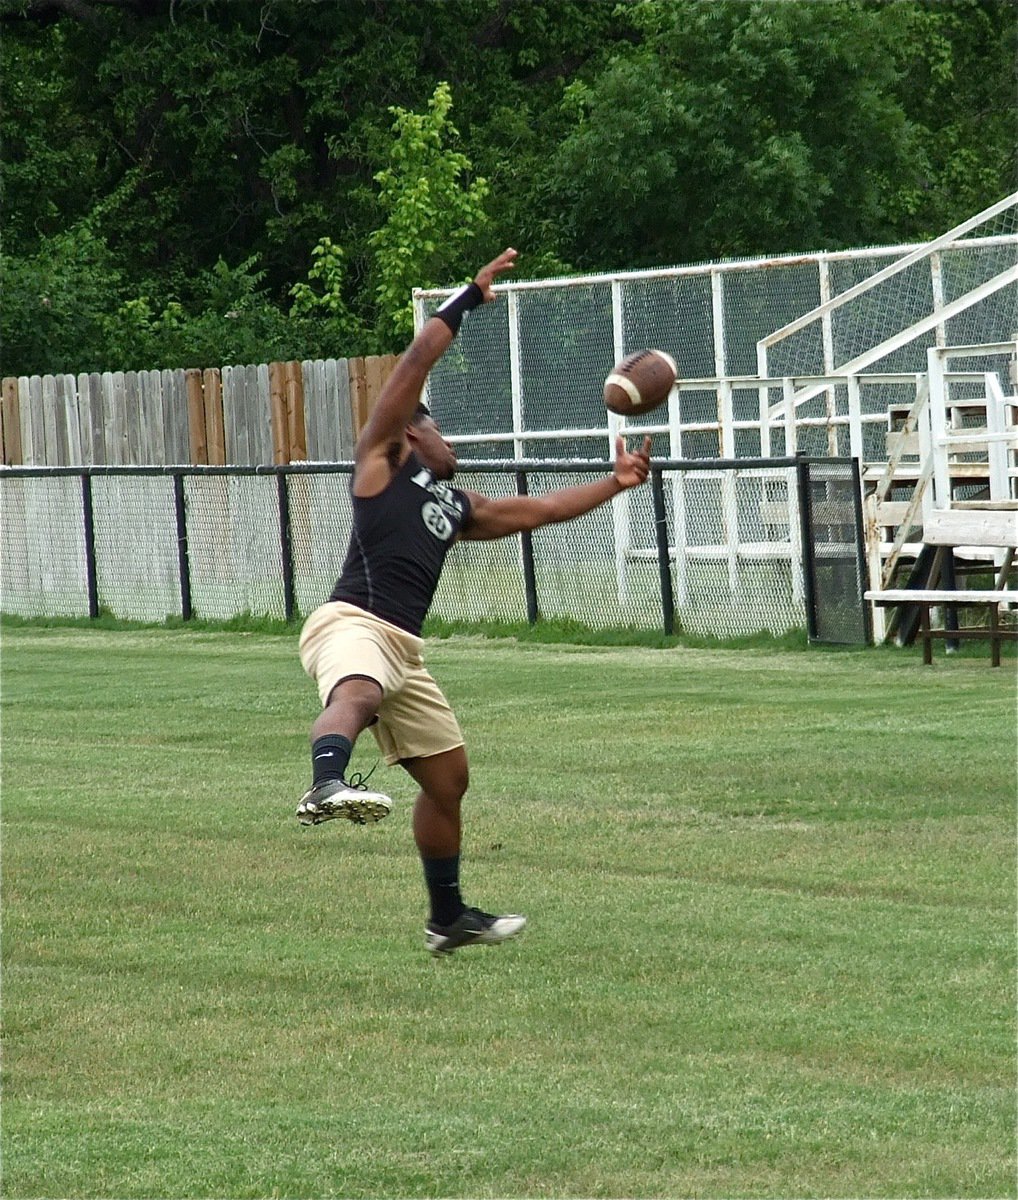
point(968, 530)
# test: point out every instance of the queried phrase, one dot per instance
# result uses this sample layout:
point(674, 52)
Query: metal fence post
point(180, 512)
point(286, 543)
point(860, 542)
point(88, 521)
point(663, 559)
point(806, 524)
point(527, 549)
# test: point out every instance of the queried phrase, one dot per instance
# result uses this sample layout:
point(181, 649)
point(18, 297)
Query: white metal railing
point(1004, 209)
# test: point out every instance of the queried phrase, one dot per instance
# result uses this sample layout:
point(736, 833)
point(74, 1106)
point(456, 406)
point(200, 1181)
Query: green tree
point(54, 302)
point(432, 206)
point(959, 89)
point(611, 134)
point(734, 129)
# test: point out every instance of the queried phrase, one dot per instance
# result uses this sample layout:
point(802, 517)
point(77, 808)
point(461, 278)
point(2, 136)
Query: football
point(640, 382)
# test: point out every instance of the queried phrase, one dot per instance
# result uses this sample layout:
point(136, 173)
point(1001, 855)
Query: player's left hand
point(631, 466)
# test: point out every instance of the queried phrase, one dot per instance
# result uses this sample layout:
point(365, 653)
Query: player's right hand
point(485, 277)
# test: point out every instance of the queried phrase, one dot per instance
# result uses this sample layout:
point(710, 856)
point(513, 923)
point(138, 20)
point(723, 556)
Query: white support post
point(515, 377)
point(729, 505)
point(516, 385)
point(621, 526)
point(717, 304)
point(615, 422)
point(874, 566)
point(764, 401)
point(795, 502)
point(679, 511)
point(937, 280)
point(827, 337)
point(726, 444)
point(788, 408)
point(996, 446)
point(937, 410)
point(720, 352)
point(730, 517)
point(679, 517)
point(855, 442)
point(765, 420)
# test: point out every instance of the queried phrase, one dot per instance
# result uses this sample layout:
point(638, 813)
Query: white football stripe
point(628, 387)
point(668, 359)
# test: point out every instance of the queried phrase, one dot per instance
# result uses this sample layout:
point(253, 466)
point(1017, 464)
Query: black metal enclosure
point(718, 548)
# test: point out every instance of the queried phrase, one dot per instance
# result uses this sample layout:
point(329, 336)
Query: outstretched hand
point(631, 466)
point(485, 277)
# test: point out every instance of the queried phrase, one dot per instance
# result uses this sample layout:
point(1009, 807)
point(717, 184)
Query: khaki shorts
point(414, 719)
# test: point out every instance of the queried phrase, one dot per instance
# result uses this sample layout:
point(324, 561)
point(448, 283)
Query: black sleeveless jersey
point(398, 546)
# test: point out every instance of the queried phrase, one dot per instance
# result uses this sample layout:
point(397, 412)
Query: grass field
point(771, 950)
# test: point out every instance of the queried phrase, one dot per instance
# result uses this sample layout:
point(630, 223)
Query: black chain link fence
point(713, 548)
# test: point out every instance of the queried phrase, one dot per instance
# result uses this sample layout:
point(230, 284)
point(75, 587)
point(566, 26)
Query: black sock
point(329, 757)
point(442, 876)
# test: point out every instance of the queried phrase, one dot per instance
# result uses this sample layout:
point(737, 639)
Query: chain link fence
point(544, 349)
point(714, 549)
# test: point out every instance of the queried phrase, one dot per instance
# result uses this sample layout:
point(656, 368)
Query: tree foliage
point(432, 209)
point(187, 181)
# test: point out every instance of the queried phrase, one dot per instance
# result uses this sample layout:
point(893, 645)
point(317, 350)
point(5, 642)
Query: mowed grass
point(771, 948)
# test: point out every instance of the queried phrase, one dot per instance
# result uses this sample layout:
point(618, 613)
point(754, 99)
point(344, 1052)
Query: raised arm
point(512, 514)
point(382, 446)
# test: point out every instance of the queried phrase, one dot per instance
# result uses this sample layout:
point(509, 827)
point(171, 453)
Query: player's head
point(427, 443)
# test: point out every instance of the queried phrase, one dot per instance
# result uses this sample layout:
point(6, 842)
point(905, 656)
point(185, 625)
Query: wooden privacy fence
point(273, 413)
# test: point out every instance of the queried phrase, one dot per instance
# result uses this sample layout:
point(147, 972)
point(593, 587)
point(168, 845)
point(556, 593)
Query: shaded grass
point(556, 631)
point(771, 949)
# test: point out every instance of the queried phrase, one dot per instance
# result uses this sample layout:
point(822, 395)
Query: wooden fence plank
point(175, 418)
point(115, 394)
point(373, 377)
point(229, 394)
point(377, 369)
point(277, 408)
point(33, 438)
point(346, 436)
point(11, 410)
point(358, 392)
point(132, 425)
point(243, 433)
point(312, 383)
point(56, 426)
point(121, 439)
point(215, 427)
point(83, 403)
point(323, 400)
point(55, 454)
point(139, 417)
point(137, 413)
point(148, 418)
point(260, 413)
point(25, 419)
point(68, 411)
point(296, 428)
point(198, 446)
point(234, 404)
point(106, 404)
point(158, 419)
point(96, 423)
